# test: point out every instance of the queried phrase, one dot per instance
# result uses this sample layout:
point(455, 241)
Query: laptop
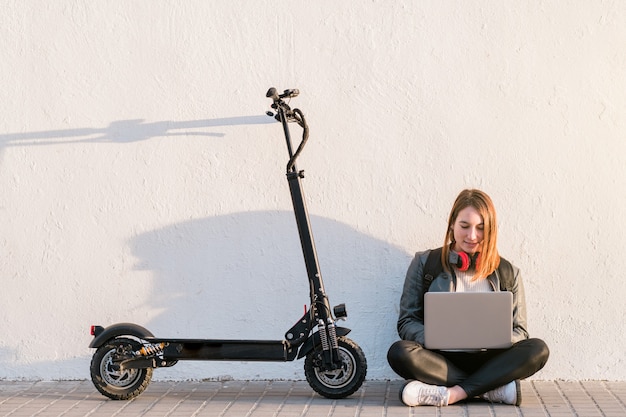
point(468, 320)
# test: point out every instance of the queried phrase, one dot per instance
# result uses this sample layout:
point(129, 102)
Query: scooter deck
point(223, 349)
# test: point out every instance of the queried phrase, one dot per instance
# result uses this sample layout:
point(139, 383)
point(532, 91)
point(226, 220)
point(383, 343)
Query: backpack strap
point(432, 268)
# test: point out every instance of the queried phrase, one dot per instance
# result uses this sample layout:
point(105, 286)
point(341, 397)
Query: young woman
point(445, 377)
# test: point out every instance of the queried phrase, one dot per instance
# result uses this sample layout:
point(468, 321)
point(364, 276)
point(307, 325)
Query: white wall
point(141, 181)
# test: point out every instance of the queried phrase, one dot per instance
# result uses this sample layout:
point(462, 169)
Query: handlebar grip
point(272, 93)
point(290, 93)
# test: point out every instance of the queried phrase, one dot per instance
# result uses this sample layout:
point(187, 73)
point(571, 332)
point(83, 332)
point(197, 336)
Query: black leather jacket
point(411, 319)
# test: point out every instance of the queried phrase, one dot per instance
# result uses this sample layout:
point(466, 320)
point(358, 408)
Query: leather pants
point(476, 372)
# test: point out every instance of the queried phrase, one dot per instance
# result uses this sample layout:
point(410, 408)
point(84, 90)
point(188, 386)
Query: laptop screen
point(468, 320)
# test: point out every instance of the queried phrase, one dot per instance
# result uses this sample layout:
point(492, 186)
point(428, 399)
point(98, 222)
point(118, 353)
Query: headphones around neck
point(464, 261)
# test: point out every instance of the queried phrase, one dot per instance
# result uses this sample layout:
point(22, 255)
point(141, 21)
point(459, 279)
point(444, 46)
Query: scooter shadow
point(242, 276)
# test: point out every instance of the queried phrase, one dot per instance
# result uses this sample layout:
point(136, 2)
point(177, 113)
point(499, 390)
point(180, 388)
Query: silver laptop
point(468, 320)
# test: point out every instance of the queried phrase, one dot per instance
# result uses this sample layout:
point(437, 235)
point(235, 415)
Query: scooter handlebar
point(284, 115)
point(273, 94)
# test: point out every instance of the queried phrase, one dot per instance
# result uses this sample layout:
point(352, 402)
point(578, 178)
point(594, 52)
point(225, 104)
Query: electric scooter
point(335, 366)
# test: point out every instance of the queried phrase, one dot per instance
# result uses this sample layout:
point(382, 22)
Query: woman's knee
point(396, 352)
point(537, 353)
point(541, 352)
point(402, 351)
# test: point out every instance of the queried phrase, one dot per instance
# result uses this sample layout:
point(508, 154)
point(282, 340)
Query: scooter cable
point(299, 118)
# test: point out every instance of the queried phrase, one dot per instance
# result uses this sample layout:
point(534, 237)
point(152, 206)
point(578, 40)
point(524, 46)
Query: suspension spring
point(153, 349)
point(332, 334)
point(323, 335)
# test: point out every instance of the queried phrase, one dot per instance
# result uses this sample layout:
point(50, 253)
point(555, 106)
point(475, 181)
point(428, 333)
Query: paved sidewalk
point(295, 398)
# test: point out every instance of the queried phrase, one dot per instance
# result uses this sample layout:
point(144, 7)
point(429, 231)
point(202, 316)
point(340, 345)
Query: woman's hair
point(489, 257)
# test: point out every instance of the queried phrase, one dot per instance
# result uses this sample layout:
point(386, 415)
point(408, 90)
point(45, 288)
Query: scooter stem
point(319, 300)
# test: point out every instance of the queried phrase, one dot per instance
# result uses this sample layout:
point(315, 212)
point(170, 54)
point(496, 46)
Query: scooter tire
point(342, 382)
point(114, 383)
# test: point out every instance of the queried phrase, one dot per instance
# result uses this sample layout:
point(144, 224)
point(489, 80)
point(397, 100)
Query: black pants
point(475, 372)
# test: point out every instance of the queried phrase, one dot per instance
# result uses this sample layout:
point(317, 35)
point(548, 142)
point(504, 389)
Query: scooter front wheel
point(109, 379)
point(341, 382)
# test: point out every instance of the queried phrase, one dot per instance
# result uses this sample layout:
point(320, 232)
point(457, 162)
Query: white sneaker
point(417, 393)
point(510, 393)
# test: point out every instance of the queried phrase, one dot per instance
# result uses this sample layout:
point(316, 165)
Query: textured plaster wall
point(141, 181)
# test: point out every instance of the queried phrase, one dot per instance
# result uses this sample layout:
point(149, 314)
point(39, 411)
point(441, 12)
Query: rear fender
point(101, 335)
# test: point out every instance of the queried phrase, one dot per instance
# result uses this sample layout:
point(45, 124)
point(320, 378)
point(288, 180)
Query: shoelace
point(433, 396)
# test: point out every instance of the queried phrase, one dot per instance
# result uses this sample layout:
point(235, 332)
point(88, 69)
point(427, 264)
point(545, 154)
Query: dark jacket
point(411, 319)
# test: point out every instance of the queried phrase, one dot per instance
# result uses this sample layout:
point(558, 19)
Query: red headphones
point(464, 261)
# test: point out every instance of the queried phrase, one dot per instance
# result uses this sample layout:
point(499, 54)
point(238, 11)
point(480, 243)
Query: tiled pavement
point(295, 398)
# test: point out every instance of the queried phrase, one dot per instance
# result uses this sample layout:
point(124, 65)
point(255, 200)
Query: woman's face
point(468, 230)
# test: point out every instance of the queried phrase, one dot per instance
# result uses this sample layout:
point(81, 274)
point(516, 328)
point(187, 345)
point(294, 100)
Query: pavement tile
point(297, 399)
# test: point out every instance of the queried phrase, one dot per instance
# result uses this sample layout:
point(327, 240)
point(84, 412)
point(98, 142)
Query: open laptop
point(468, 320)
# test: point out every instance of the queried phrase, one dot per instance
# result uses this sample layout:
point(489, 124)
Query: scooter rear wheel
point(115, 383)
point(341, 382)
